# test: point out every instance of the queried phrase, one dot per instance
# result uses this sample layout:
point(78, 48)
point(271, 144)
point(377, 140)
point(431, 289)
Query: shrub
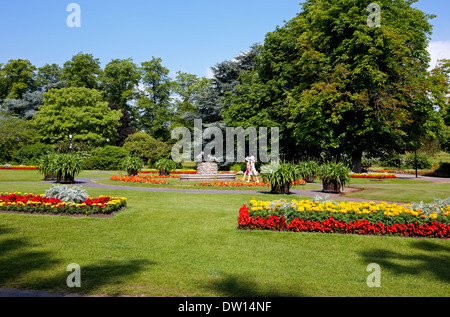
point(63, 167)
point(392, 160)
point(308, 170)
point(422, 161)
point(106, 158)
point(281, 176)
point(334, 176)
point(30, 154)
point(131, 165)
point(165, 166)
point(238, 167)
point(74, 195)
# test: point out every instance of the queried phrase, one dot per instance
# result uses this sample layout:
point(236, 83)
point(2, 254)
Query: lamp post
point(70, 139)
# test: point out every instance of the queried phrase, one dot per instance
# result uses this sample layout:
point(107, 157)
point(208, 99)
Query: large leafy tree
point(83, 70)
point(341, 86)
point(14, 134)
point(17, 77)
point(118, 81)
point(49, 76)
point(77, 110)
point(154, 107)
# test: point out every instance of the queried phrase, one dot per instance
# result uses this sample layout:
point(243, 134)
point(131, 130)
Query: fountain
point(208, 171)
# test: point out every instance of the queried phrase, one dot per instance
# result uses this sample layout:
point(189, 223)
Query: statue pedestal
point(208, 172)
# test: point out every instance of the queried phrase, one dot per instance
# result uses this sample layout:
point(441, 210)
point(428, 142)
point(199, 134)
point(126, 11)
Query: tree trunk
point(357, 160)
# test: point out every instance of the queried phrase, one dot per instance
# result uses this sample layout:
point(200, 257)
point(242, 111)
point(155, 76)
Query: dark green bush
point(422, 161)
point(30, 154)
point(392, 160)
point(107, 158)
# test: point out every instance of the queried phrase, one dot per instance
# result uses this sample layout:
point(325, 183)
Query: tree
point(14, 134)
point(49, 76)
point(340, 86)
point(17, 78)
point(25, 107)
point(187, 87)
point(226, 79)
point(154, 105)
point(82, 71)
point(118, 81)
point(79, 111)
point(125, 127)
point(146, 147)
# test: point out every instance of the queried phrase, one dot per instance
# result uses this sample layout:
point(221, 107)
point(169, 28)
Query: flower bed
point(31, 203)
point(18, 167)
point(244, 184)
point(345, 218)
point(372, 175)
point(233, 184)
point(155, 171)
point(138, 179)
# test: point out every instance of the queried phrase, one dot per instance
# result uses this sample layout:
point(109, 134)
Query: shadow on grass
point(21, 263)
point(234, 286)
point(431, 257)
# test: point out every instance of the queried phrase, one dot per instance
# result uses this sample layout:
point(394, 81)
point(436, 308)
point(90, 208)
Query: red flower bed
point(361, 227)
point(28, 168)
point(373, 176)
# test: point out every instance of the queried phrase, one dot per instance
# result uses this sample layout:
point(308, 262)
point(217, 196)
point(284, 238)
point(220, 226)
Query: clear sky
point(188, 35)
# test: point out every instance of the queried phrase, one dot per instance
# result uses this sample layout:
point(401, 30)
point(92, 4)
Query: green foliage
point(146, 147)
point(392, 160)
point(80, 111)
point(30, 154)
point(422, 161)
point(73, 194)
point(165, 165)
point(118, 80)
point(132, 165)
point(15, 133)
point(238, 167)
point(17, 78)
point(106, 158)
point(64, 167)
point(334, 173)
point(280, 176)
point(153, 106)
point(308, 170)
point(82, 71)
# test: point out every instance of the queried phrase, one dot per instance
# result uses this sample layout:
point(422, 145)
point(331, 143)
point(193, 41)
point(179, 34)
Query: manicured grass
point(441, 157)
point(33, 175)
point(171, 244)
point(403, 193)
point(355, 181)
point(176, 183)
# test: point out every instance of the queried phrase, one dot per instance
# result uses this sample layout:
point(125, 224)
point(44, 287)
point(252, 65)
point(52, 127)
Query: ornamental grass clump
point(281, 176)
point(63, 167)
point(334, 176)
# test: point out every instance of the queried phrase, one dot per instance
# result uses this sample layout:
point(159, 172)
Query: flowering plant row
point(138, 179)
point(18, 167)
point(345, 217)
point(40, 204)
point(244, 184)
point(372, 175)
point(155, 171)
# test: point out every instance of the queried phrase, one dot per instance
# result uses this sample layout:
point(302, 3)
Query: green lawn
point(403, 193)
point(32, 176)
point(171, 244)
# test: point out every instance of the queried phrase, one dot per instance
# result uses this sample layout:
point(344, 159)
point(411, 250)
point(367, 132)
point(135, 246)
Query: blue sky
point(189, 35)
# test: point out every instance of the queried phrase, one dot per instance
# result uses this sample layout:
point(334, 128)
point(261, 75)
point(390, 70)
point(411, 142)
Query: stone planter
point(280, 189)
point(331, 186)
